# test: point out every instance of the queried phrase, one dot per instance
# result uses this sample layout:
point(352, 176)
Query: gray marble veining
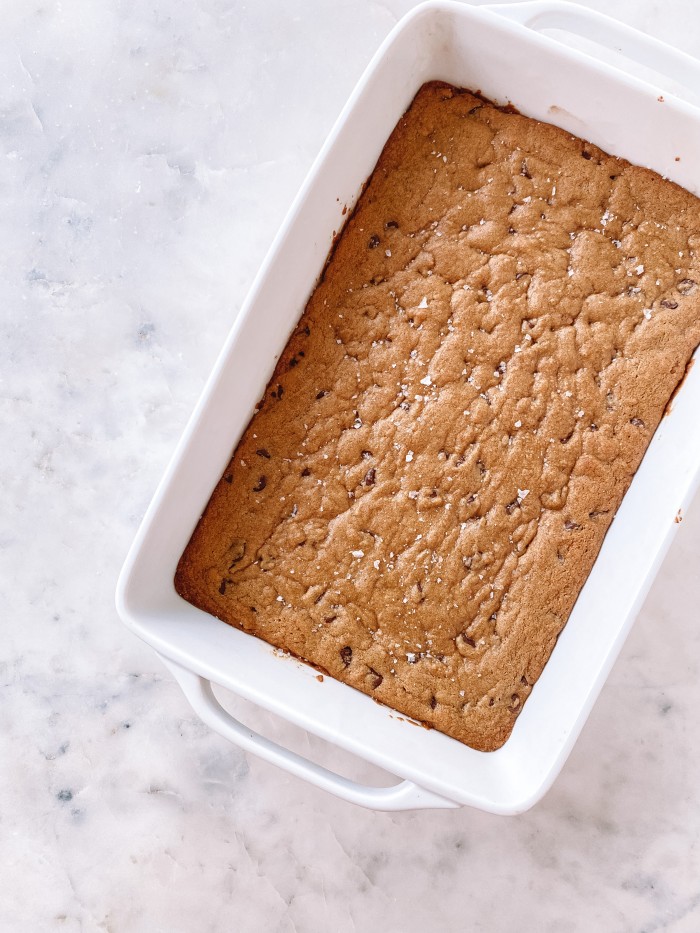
point(149, 152)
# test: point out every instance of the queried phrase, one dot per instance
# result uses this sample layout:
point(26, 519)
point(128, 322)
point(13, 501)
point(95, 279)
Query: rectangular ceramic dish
point(501, 52)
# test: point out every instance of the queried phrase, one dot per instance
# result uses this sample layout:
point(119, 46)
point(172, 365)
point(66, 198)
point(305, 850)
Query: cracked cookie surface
point(425, 486)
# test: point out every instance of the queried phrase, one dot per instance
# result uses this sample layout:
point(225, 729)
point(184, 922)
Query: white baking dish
point(498, 51)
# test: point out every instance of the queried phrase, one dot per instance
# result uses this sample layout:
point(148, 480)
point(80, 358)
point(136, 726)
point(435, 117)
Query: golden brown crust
point(452, 426)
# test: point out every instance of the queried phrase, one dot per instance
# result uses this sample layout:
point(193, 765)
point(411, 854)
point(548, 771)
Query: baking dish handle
point(605, 31)
point(402, 796)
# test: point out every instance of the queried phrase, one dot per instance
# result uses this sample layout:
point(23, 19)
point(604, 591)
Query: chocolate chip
point(263, 453)
point(524, 169)
point(293, 362)
point(686, 286)
point(565, 440)
point(370, 477)
point(596, 513)
point(433, 702)
point(228, 478)
point(306, 472)
point(374, 678)
point(222, 587)
point(586, 155)
point(492, 701)
point(464, 645)
point(330, 619)
point(571, 526)
point(637, 422)
point(373, 241)
point(511, 230)
point(524, 681)
point(666, 303)
point(391, 225)
point(346, 655)
point(235, 552)
point(514, 701)
point(262, 483)
point(320, 394)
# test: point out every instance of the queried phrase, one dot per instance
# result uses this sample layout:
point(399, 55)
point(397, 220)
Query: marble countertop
point(149, 153)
